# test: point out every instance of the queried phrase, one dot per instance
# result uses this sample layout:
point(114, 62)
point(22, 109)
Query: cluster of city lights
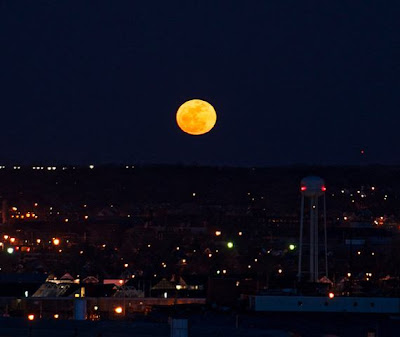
point(361, 193)
point(53, 168)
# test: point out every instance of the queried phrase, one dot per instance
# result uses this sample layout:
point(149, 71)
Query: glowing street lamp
point(229, 245)
point(118, 310)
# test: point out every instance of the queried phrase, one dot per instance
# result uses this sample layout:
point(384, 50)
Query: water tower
point(312, 188)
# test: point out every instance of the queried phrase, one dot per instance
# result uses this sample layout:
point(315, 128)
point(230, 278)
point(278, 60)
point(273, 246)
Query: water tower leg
point(312, 239)
point(326, 240)
point(316, 248)
point(301, 237)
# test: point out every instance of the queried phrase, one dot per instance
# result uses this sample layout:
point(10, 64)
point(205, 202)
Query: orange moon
point(196, 117)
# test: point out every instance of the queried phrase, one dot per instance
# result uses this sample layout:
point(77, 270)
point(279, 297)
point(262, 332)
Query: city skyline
point(197, 167)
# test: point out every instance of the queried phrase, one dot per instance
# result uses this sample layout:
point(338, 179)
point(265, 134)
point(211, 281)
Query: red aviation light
point(323, 188)
point(303, 188)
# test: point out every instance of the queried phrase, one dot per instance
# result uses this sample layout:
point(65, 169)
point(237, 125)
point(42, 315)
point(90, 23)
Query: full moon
point(196, 117)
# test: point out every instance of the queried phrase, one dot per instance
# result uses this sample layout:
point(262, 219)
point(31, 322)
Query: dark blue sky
point(292, 81)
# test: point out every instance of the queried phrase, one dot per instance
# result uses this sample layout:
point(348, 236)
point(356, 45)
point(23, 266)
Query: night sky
point(293, 82)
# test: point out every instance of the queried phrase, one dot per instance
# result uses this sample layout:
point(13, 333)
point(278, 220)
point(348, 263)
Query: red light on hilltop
point(303, 188)
point(323, 188)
